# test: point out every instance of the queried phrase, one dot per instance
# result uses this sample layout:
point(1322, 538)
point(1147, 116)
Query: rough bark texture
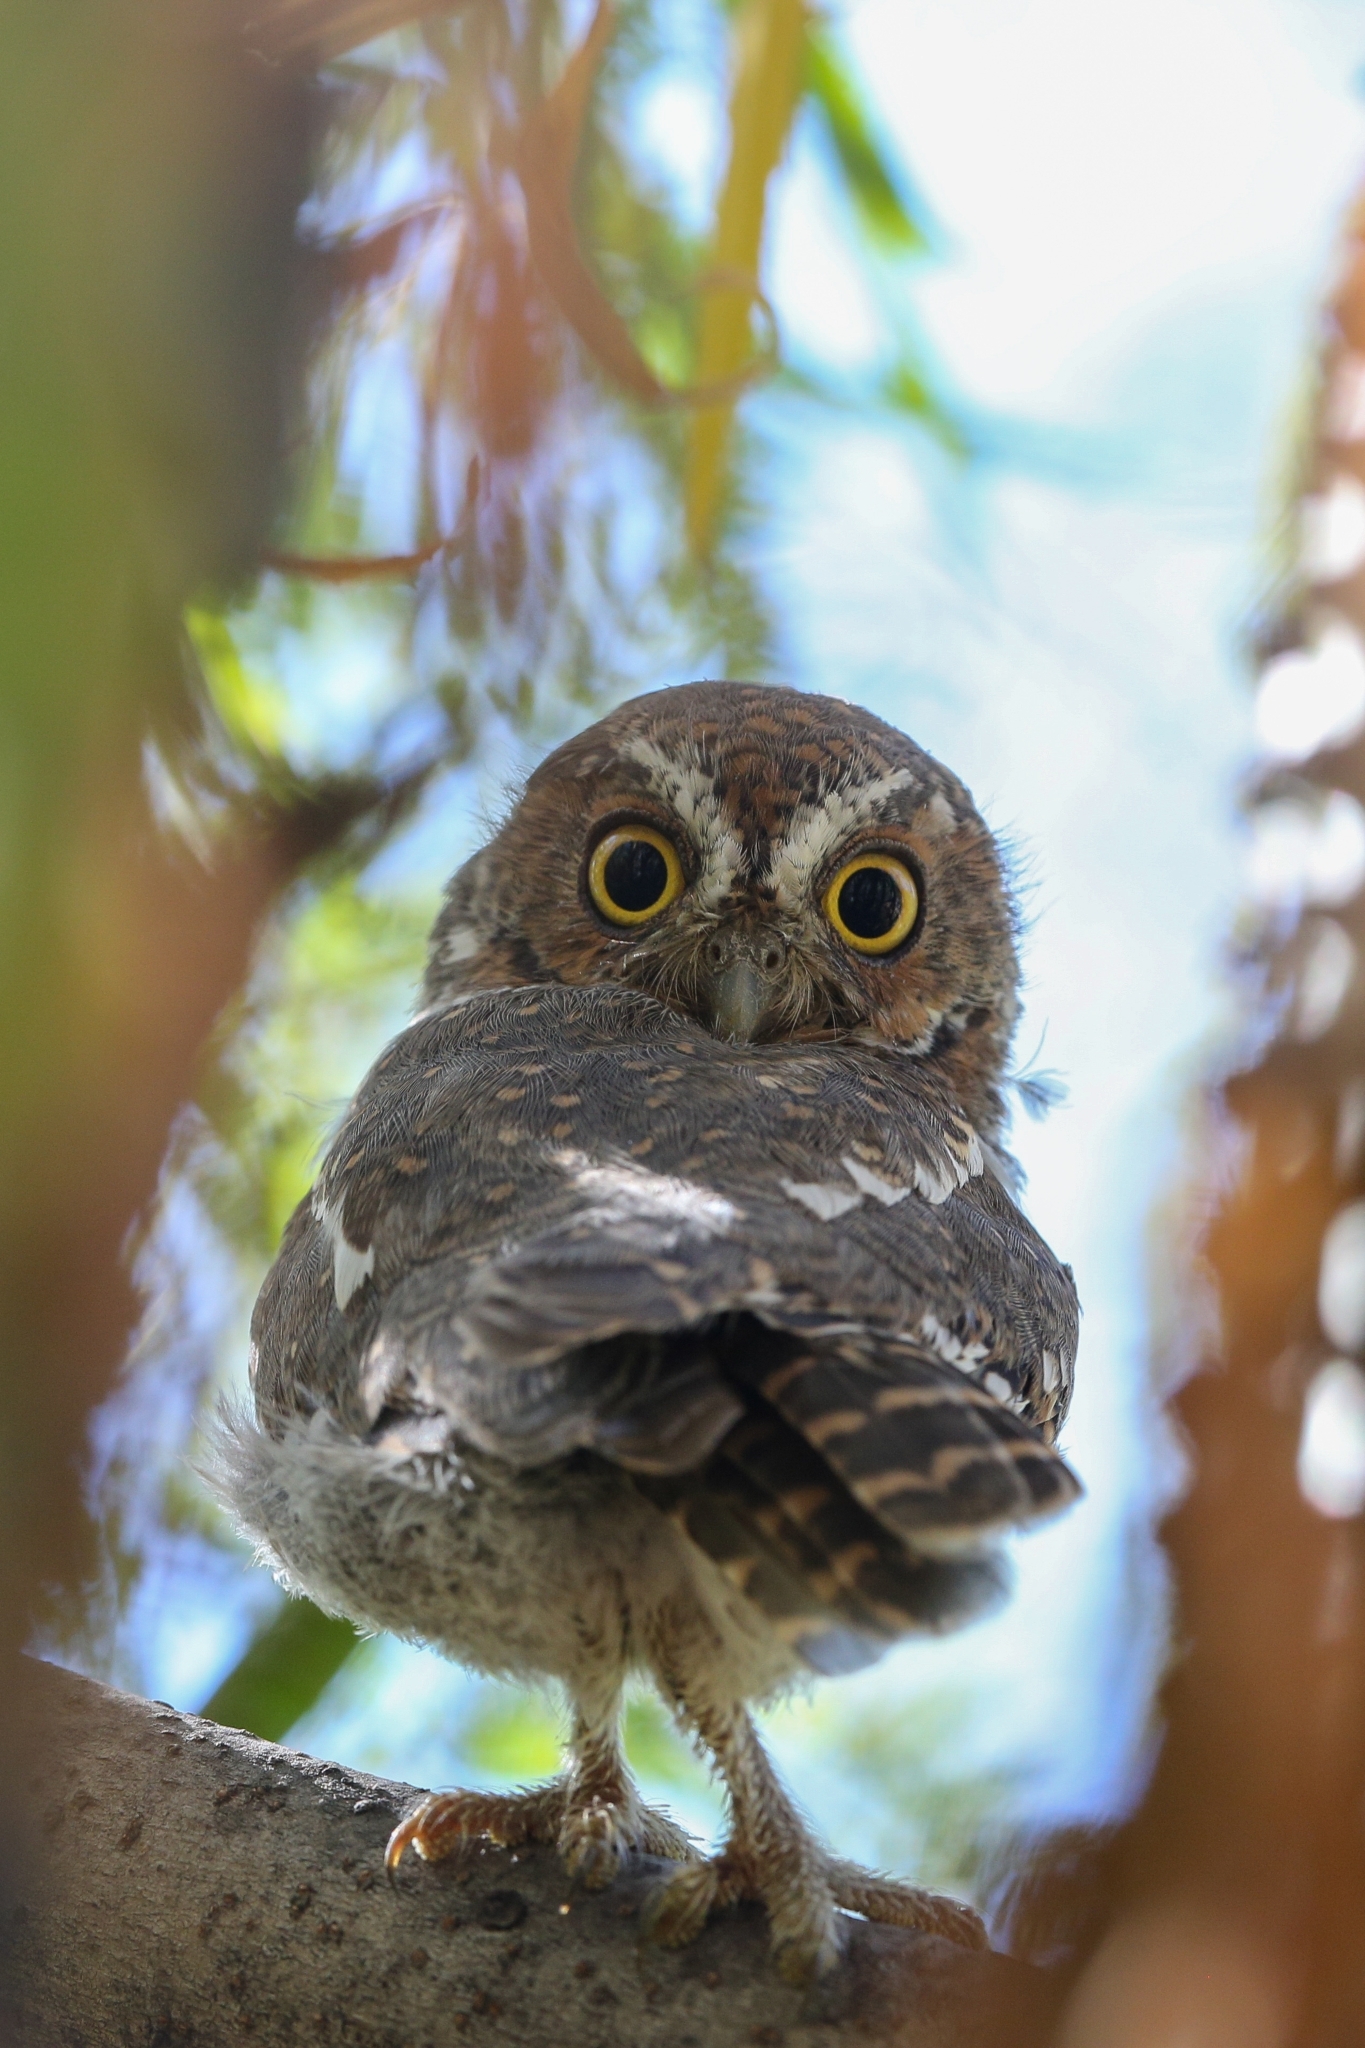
point(192, 1884)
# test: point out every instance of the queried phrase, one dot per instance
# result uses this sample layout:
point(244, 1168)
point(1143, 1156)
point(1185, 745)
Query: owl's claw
point(895, 1903)
point(593, 1835)
point(807, 1935)
point(595, 1839)
point(445, 1820)
point(802, 1899)
point(677, 1911)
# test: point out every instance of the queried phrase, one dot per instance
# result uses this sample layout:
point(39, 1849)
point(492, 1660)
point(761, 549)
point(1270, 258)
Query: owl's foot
point(802, 1910)
point(898, 1904)
point(446, 1820)
point(594, 1827)
point(802, 1889)
point(595, 1837)
point(771, 1855)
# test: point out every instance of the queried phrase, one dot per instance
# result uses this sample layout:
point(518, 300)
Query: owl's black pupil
point(870, 903)
point(635, 874)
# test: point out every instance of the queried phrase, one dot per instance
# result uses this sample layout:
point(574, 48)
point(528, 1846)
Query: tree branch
point(190, 1883)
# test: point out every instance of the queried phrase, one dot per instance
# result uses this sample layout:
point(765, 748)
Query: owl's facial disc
point(752, 942)
point(771, 865)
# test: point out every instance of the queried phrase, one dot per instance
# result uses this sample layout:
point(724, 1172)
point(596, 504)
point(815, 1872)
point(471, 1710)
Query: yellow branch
point(769, 39)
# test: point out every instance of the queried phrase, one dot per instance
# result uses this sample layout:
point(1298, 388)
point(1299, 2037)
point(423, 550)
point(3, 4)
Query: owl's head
point(772, 864)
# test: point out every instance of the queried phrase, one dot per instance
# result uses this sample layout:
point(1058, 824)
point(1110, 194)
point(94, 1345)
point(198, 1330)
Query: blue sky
point(1139, 209)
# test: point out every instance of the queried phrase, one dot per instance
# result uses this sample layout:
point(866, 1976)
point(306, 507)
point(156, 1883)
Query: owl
point(663, 1305)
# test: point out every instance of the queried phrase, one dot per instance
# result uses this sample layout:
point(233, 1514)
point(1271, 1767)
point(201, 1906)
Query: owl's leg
point(770, 1854)
point(592, 1812)
point(604, 1817)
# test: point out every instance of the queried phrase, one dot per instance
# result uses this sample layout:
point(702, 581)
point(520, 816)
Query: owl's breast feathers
point(780, 1284)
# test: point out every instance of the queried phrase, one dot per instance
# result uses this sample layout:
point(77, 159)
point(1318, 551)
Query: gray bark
point(190, 1884)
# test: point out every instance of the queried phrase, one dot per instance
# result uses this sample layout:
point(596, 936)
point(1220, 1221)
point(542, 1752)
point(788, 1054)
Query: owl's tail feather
point(932, 1455)
point(834, 1584)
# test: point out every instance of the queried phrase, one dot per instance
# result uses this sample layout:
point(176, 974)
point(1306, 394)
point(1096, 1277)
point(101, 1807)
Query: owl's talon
point(807, 1927)
point(398, 1844)
point(444, 1821)
point(896, 1903)
point(812, 1954)
point(596, 1837)
point(806, 1933)
point(593, 1836)
point(808, 1930)
point(677, 1911)
point(593, 1842)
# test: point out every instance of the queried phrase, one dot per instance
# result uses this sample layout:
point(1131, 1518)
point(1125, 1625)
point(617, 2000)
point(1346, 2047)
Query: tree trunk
point(191, 1884)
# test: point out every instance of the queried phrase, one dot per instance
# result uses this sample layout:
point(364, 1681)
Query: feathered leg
point(604, 1817)
point(592, 1812)
point(770, 1853)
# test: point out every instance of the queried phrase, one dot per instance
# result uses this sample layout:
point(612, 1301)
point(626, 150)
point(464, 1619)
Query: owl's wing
point(559, 1219)
point(647, 1344)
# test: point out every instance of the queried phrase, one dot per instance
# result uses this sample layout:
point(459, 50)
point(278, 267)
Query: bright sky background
point(1137, 209)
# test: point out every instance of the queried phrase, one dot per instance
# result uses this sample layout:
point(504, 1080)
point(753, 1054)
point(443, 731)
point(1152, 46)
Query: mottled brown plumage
point(662, 1302)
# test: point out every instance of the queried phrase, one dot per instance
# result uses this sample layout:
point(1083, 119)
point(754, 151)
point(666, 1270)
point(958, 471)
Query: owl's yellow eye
point(634, 874)
point(873, 902)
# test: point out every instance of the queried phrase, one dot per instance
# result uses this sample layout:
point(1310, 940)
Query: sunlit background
point(1047, 572)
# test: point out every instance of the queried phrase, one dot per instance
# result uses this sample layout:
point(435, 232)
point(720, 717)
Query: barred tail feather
point(925, 1450)
point(836, 1585)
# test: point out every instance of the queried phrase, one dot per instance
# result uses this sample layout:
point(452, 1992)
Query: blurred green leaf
point(656, 1748)
point(251, 707)
point(767, 50)
point(513, 1735)
point(924, 1806)
point(283, 1672)
point(907, 389)
point(335, 979)
point(874, 188)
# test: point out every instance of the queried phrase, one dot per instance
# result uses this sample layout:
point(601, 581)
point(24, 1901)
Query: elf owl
point(662, 1305)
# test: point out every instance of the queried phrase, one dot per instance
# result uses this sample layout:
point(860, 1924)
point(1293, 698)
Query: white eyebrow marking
point(682, 780)
point(351, 1266)
point(818, 827)
point(824, 1202)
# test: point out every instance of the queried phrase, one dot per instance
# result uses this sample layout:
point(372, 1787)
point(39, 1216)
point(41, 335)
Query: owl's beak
point(745, 981)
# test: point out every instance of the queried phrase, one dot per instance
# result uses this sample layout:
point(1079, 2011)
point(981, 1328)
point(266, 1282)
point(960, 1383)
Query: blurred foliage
point(769, 39)
point(921, 1805)
point(334, 979)
point(877, 188)
point(285, 1667)
point(513, 1736)
point(520, 490)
